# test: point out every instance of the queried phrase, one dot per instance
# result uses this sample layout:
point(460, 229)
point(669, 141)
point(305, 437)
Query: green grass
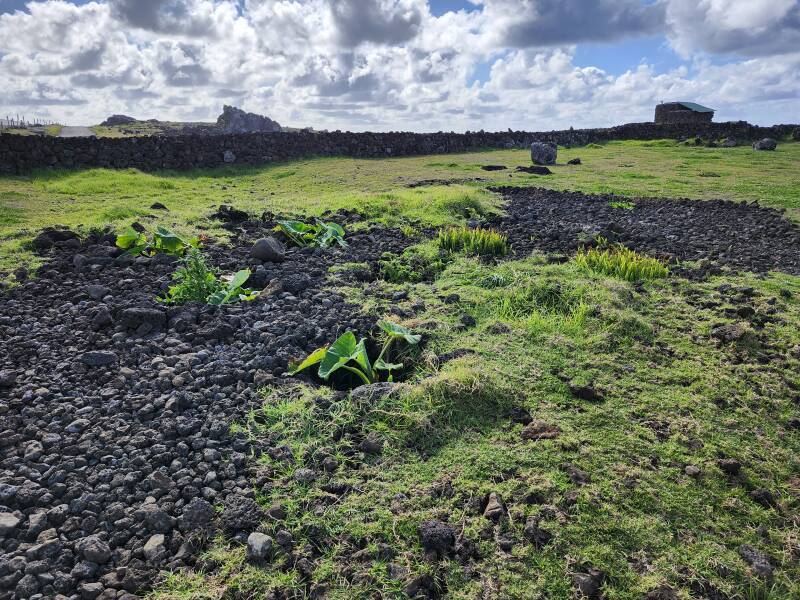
point(97, 197)
point(618, 261)
point(480, 242)
point(669, 393)
point(672, 396)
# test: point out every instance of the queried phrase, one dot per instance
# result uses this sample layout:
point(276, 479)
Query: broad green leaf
point(239, 278)
point(168, 241)
point(398, 331)
point(338, 354)
point(382, 365)
point(312, 359)
point(360, 356)
point(129, 238)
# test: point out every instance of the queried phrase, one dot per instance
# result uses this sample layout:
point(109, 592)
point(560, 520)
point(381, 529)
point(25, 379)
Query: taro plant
point(164, 241)
point(482, 242)
point(195, 281)
point(318, 235)
point(350, 355)
point(616, 260)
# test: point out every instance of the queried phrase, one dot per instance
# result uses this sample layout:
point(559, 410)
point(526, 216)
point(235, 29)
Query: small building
point(683, 112)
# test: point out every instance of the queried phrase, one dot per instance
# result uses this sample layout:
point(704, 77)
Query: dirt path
point(76, 132)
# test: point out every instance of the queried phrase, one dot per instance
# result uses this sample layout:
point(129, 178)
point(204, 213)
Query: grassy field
point(636, 402)
point(98, 197)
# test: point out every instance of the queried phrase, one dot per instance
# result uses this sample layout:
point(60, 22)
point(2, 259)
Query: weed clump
point(481, 242)
point(195, 281)
point(618, 261)
point(417, 263)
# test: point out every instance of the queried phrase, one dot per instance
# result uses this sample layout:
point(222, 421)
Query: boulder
point(155, 548)
point(235, 120)
point(268, 249)
point(543, 153)
point(765, 144)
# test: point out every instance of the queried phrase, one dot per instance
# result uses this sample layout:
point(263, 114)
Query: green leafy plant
point(234, 291)
point(195, 281)
point(482, 242)
point(618, 261)
point(350, 355)
point(164, 241)
point(319, 235)
point(421, 262)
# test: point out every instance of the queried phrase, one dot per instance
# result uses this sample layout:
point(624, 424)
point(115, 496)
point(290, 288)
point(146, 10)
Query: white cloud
point(392, 64)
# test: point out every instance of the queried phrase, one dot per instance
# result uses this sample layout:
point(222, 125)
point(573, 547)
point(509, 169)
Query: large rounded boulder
point(543, 153)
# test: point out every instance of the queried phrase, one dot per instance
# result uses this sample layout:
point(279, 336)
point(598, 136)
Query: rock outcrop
point(235, 120)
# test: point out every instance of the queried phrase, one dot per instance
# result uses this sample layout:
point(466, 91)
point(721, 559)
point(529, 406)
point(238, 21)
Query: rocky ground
point(116, 411)
point(717, 232)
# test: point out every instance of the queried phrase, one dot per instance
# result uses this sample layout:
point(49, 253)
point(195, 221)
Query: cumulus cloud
point(527, 23)
point(744, 27)
point(394, 64)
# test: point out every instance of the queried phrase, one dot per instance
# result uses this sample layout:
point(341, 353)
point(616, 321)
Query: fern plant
point(481, 242)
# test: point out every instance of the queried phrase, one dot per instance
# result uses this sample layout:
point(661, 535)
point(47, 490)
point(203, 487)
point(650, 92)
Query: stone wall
point(20, 154)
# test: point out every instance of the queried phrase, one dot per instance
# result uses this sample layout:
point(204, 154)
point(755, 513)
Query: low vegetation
point(351, 356)
point(195, 281)
point(617, 260)
point(163, 241)
point(480, 242)
point(318, 235)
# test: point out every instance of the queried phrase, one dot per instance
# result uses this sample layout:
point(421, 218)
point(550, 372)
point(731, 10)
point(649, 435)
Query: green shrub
point(197, 282)
point(319, 235)
point(618, 261)
point(482, 242)
point(164, 241)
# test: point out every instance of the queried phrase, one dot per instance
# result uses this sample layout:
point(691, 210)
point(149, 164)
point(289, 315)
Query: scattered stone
point(228, 214)
point(7, 378)
point(467, 320)
point(589, 584)
point(494, 509)
point(732, 332)
point(158, 206)
point(493, 167)
point(99, 358)
point(374, 391)
point(534, 170)
point(89, 591)
point(240, 513)
point(143, 319)
point(586, 391)
point(437, 536)
point(535, 534)
point(259, 546)
point(540, 430)
point(574, 161)
point(268, 250)
point(155, 548)
point(730, 466)
point(78, 425)
point(95, 550)
point(228, 156)
point(97, 292)
point(758, 561)
point(764, 497)
point(765, 144)
point(305, 476)
point(371, 444)
point(543, 153)
point(692, 471)
point(576, 476)
point(8, 521)
point(662, 592)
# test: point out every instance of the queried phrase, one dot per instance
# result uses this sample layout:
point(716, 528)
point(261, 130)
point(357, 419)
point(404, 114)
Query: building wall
point(675, 113)
point(19, 154)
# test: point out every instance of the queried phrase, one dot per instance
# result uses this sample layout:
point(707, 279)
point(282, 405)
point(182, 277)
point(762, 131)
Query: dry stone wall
point(20, 154)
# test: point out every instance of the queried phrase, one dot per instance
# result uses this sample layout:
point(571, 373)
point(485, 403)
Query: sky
point(412, 65)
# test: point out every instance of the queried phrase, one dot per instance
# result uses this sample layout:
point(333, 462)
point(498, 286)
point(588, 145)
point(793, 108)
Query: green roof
point(696, 107)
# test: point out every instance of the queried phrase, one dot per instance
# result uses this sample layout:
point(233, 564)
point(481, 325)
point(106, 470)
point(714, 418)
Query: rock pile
point(115, 411)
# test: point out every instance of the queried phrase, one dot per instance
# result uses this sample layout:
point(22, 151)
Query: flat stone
point(155, 548)
point(99, 358)
point(8, 521)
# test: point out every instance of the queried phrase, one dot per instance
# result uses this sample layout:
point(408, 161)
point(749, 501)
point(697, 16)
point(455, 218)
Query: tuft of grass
point(480, 242)
point(421, 262)
point(621, 204)
point(618, 261)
